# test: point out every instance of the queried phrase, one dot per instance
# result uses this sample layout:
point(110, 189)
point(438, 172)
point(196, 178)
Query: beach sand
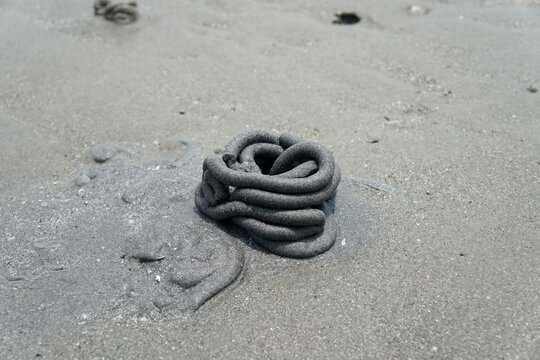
point(434, 113)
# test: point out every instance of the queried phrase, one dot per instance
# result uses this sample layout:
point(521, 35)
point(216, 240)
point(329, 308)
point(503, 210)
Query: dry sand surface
point(440, 105)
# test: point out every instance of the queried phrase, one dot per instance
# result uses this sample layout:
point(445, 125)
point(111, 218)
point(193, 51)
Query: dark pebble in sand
point(346, 18)
point(532, 89)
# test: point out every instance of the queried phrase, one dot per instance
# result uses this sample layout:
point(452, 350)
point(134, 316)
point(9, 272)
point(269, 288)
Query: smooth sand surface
point(440, 107)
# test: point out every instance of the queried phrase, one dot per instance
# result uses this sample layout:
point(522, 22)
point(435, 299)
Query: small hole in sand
point(346, 18)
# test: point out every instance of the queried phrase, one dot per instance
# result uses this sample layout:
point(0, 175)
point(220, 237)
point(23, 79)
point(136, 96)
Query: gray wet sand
point(439, 107)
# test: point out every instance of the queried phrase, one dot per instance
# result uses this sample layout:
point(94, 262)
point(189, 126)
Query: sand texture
point(431, 110)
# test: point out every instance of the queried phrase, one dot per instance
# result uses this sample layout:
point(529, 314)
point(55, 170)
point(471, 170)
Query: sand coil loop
point(117, 12)
point(276, 188)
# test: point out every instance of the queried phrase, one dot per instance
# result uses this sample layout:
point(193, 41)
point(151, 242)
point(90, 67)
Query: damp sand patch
point(123, 241)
